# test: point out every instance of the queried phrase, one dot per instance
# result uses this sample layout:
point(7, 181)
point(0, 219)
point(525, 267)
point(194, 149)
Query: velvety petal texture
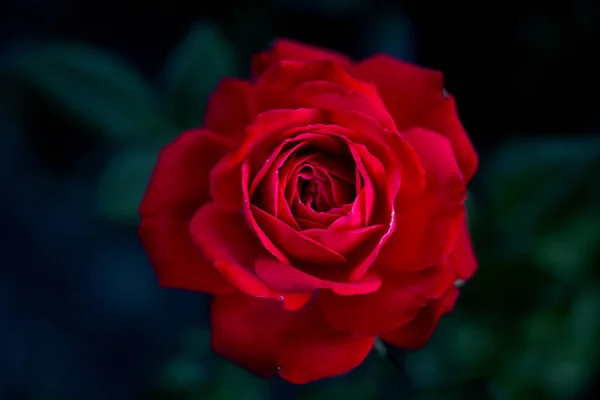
point(227, 111)
point(178, 186)
point(259, 335)
point(424, 103)
point(322, 205)
point(415, 333)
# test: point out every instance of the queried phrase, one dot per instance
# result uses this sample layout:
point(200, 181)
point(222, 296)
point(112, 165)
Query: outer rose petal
point(440, 115)
point(414, 97)
point(226, 179)
point(398, 301)
point(417, 332)
point(179, 185)
point(180, 181)
point(230, 246)
point(175, 259)
point(462, 258)
point(427, 229)
point(318, 84)
point(289, 279)
point(405, 88)
point(227, 110)
point(285, 49)
point(258, 334)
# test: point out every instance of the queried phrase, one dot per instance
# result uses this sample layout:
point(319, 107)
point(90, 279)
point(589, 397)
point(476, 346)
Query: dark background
point(81, 313)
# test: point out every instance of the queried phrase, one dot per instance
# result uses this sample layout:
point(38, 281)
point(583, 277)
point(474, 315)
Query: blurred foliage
point(192, 72)
point(526, 327)
point(96, 88)
point(111, 98)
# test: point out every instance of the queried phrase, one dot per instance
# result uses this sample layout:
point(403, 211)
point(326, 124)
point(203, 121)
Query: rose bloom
point(322, 204)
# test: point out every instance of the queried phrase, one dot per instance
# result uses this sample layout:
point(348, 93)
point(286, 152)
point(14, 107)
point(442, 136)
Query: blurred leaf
point(123, 183)
point(584, 320)
point(189, 375)
point(426, 368)
point(182, 374)
point(196, 342)
point(470, 345)
point(566, 251)
point(392, 33)
point(365, 383)
point(541, 328)
point(234, 383)
point(532, 180)
point(95, 87)
point(355, 389)
point(564, 376)
point(193, 71)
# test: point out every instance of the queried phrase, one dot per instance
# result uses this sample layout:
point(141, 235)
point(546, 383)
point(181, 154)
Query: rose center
point(308, 189)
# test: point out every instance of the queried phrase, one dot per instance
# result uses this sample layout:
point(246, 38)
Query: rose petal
point(269, 193)
point(275, 162)
point(368, 283)
point(178, 186)
point(330, 96)
point(342, 192)
point(180, 181)
point(405, 88)
point(414, 97)
point(287, 150)
point(251, 220)
point(397, 302)
point(344, 242)
point(284, 212)
point(303, 213)
point(290, 279)
point(294, 244)
point(355, 218)
point(462, 257)
point(226, 242)
point(264, 133)
point(390, 148)
point(416, 333)
point(259, 335)
point(289, 175)
point(308, 224)
point(227, 110)
point(285, 277)
point(316, 84)
point(337, 166)
point(375, 183)
point(285, 49)
point(175, 259)
point(441, 116)
point(427, 229)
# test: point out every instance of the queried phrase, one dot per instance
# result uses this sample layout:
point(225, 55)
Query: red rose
point(322, 205)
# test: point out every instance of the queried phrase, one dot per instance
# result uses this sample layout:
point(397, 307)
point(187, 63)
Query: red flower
point(322, 205)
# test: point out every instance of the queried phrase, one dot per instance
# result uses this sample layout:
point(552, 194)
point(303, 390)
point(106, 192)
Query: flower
point(322, 204)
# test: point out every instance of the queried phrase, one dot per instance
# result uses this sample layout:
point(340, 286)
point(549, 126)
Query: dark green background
point(89, 93)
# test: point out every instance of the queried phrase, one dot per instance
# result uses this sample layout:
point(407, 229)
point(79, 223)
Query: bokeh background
point(89, 91)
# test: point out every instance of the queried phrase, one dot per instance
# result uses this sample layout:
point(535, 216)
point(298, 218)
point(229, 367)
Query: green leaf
point(184, 375)
point(567, 250)
point(193, 70)
point(95, 87)
point(196, 343)
point(426, 368)
point(364, 382)
point(234, 383)
point(123, 183)
point(536, 184)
